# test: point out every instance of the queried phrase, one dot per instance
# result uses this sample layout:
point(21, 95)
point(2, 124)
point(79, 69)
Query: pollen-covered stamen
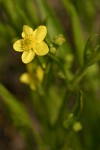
point(28, 43)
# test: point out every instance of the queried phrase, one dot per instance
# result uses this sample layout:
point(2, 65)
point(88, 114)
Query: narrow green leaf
point(48, 14)
point(79, 105)
point(53, 24)
point(19, 114)
point(32, 11)
point(16, 108)
point(77, 29)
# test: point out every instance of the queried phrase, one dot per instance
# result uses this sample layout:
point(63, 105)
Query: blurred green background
point(76, 20)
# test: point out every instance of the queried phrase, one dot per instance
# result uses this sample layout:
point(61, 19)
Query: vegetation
point(50, 101)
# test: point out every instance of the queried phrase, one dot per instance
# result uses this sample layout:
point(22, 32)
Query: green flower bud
point(77, 126)
point(53, 50)
point(59, 39)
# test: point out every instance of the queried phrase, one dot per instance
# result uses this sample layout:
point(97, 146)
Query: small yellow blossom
point(26, 78)
point(33, 80)
point(32, 43)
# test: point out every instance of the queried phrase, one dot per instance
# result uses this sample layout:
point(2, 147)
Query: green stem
point(61, 66)
point(70, 90)
point(38, 60)
point(66, 99)
point(78, 78)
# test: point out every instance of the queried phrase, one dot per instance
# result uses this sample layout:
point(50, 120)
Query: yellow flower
point(32, 43)
point(33, 80)
point(26, 78)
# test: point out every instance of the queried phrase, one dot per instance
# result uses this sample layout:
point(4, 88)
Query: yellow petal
point(41, 48)
point(25, 78)
point(27, 56)
point(40, 74)
point(40, 33)
point(27, 31)
point(18, 45)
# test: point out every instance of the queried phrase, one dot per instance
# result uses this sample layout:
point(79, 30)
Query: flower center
point(28, 43)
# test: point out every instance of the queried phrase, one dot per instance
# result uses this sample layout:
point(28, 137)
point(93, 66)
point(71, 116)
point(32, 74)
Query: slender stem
point(61, 66)
point(78, 78)
point(40, 63)
point(70, 89)
point(66, 99)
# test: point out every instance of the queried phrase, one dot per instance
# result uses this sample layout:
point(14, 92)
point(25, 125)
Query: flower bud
point(77, 126)
point(59, 39)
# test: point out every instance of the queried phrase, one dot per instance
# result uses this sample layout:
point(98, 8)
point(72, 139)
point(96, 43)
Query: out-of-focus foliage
point(63, 110)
